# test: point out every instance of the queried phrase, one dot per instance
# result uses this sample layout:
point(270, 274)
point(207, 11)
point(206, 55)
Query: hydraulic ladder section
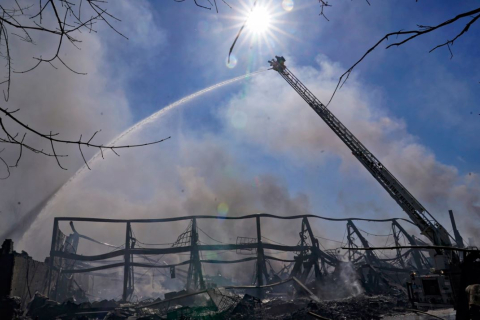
point(417, 213)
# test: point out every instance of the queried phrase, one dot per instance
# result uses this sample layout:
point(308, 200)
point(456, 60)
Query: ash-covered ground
point(221, 305)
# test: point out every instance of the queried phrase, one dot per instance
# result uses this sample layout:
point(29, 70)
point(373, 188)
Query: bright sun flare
point(259, 20)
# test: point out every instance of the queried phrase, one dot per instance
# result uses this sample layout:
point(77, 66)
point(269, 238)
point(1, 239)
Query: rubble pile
point(40, 307)
point(360, 307)
point(10, 307)
point(248, 307)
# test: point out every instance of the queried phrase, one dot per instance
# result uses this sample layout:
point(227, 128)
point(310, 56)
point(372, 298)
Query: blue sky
point(255, 144)
point(435, 97)
point(433, 94)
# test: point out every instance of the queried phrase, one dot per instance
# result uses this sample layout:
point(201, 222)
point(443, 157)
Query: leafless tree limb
point(6, 166)
point(324, 4)
point(214, 4)
point(67, 24)
point(474, 15)
point(239, 33)
point(53, 140)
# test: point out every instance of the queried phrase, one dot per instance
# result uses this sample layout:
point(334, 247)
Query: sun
point(259, 20)
point(259, 28)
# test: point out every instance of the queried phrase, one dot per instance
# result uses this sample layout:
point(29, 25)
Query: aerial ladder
point(460, 273)
point(427, 224)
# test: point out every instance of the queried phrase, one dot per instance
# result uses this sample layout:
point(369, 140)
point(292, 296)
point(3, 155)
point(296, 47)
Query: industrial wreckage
point(420, 276)
point(304, 281)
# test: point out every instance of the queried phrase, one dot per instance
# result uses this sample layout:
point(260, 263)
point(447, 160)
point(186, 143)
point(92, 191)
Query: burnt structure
point(20, 275)
point(310, 263)
point(309, 274)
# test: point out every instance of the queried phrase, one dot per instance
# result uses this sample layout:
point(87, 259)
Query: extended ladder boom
point(417, 213)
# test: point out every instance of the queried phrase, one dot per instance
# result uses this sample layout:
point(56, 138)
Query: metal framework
point(308, 259)
point(421, 263)
point(370, 256)
point(64, 260)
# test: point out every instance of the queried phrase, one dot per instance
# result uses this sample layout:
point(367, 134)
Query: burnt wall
point(20, 275)
point(29, 276)
point(6, 269)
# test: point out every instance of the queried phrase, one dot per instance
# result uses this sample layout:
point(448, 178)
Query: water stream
point(138, 126)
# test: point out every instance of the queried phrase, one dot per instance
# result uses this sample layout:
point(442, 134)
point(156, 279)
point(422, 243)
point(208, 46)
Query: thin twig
point(68, 24)
point(412, 34)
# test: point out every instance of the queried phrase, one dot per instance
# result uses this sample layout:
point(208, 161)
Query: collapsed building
point(70, 284)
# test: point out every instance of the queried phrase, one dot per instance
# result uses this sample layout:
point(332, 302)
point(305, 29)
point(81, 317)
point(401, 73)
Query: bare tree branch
point(465, 29)
point(324, 4)
point(6, 166)
point(239, 33)
point(66, 25)
point(412, 34)
point(214, 4)
point(51, 138)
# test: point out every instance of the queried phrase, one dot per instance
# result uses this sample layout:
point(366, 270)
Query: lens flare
point(287, 5)
point(222, 209)
point(232, 63)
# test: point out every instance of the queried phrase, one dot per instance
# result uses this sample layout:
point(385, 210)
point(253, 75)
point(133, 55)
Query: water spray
point(140, 124)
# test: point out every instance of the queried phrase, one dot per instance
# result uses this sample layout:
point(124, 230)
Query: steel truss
point(65, 261)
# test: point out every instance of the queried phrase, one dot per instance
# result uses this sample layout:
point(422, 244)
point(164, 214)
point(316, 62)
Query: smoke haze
point(256, 148)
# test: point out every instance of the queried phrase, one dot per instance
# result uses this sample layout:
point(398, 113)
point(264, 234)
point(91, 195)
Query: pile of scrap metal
point(387, 275)
point(218, 303)
point(363, 272)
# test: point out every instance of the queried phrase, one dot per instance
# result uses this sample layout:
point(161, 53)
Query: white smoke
point(60, 101)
